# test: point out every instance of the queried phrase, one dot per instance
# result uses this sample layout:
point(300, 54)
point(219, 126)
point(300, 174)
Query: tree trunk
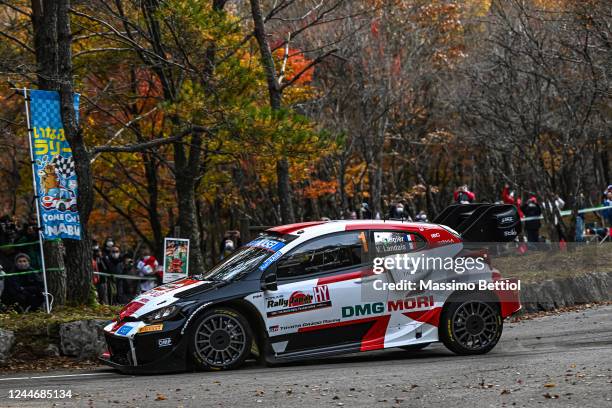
point(44, 24)
point(187, 170)
point(375, 178)
point(275, 95)
point(150, 167)
point(284, 191)
point(56, 280)
point(79, 268)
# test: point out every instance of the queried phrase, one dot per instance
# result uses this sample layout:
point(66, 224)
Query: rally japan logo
point(299, 302)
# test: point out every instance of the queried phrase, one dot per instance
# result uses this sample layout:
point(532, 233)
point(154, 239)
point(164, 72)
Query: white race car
point(314, 289)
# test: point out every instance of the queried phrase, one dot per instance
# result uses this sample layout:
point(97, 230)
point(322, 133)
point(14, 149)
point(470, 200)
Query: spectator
point(127, 289)
point(398, 212)
point(580, 204)
point(509, 197)
point(101, 282)
point(8, 230)
point(366, 214)
point(147, 267)
point(29, 234)
point(24, 291)
point(607, 202)
point(228, 248)
point(421, 217)
point(114, 266)
point(558, 204)
point(532, 209)
point(353, 215)
point(463, 195)
point(109, 243)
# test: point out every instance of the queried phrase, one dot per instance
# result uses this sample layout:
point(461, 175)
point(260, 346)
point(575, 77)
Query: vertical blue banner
point(54, 172)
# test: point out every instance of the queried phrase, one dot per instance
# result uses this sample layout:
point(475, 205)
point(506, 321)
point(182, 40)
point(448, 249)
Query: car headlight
point(159, 315)
point(167, 312)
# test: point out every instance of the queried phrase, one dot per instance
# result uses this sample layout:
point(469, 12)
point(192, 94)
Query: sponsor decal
point(363, 310)
point(268, 244)
point(164, 342)
point(299, 302)
point(367, 309)
point(270, 261)
point(151, 328)
point(276, 327)
point(125, 330)
point(411, 303)
point(445, 241)
point(321, 293)
point(435, 235)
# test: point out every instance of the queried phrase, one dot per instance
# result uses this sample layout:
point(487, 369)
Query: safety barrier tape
point(126, 276)
point(5, 246)
point(565, 213)
point(30, 272)
point(95, 273)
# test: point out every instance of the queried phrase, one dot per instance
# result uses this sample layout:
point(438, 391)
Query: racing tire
point(221, 339)
point(471, 324)
point(415, 347)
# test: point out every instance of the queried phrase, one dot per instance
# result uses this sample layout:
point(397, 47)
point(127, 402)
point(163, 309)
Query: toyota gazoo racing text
point(309, 290)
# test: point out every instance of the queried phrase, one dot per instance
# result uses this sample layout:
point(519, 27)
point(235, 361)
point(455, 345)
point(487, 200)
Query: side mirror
point(269, 282)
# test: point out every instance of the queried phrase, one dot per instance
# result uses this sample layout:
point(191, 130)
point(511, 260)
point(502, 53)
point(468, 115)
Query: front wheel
point(471, 325)
point(221, 340)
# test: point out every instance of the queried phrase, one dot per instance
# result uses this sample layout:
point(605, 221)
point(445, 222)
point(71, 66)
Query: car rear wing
point(482, 222)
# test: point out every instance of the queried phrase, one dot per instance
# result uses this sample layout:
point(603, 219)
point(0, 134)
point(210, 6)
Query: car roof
point(431, 232)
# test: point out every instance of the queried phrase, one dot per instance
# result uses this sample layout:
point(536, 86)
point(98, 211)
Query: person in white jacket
point(559, 204)
point(147, 267)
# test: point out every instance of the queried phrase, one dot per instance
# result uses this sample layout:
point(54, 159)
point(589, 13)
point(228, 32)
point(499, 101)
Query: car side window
point(323, 254)
point(396, 242)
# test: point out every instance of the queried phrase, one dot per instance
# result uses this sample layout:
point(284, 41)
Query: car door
point(316, 306)
point(408, 309)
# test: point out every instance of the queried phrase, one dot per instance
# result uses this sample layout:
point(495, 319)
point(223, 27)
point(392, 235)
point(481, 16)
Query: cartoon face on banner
point(176, 259)
point(54, 169)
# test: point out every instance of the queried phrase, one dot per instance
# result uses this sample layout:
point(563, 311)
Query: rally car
point(315, 289)
point(60, 199)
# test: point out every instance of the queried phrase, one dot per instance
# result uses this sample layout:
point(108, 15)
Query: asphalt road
point(562, 360)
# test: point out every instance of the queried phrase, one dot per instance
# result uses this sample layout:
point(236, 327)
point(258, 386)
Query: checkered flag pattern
point(64, 166)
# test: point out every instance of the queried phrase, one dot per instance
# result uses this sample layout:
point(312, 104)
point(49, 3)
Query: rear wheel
point(471, 324)
point(221, 340)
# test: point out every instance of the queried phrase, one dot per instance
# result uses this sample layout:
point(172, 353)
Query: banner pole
point(38, 221)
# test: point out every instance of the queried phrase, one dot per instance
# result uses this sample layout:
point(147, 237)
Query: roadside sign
point(176, 259)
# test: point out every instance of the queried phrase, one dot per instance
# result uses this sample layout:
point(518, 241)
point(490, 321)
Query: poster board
point(176, 259)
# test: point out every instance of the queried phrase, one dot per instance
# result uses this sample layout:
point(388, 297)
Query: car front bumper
point(135, 350)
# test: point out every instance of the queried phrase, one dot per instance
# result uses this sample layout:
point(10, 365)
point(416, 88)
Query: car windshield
point(257, 253)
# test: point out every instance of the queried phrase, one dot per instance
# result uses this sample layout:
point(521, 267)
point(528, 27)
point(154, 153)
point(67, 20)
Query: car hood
point(163, 296)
